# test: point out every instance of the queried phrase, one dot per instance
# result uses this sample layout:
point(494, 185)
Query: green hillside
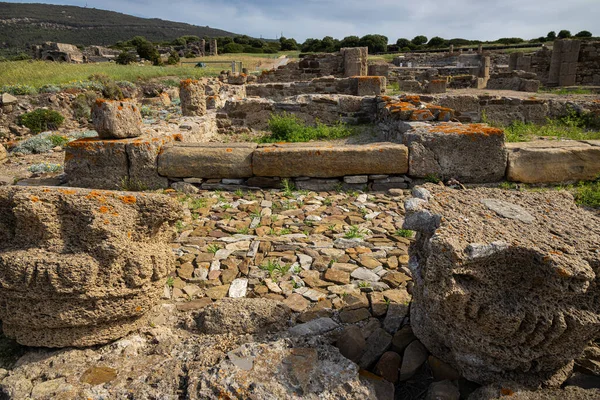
point(22, 25)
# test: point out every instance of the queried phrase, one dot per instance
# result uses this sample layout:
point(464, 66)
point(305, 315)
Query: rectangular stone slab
point(328, 161)
point(530, 163)
point(191, 160)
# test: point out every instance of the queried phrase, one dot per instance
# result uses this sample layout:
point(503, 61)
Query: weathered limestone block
point(355, 61)
point(380, 69)
point(505, 281)
point(192, 94)
point(469, 153)
point(116, 164)
point(323, 161)
point(3, 154)
point(80, 267)
point(283, 369)
point(115, 119)
point(207, 160)
point(436, 86)
point(552, 162)
point(370, 85)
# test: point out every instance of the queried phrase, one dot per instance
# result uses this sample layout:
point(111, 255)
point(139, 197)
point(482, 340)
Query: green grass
point(213, 248)
point(404, 233)
point(525, 131)
point(40, 73)
point(565, 91)
point(354, 232)
point(587, 194)
point(275, 269)
point(287, 127)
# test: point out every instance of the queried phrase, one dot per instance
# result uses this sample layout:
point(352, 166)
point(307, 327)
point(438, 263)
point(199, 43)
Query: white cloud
point(470, 19)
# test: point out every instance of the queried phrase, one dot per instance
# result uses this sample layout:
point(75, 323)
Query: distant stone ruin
point(51, 51)
point(569, 63)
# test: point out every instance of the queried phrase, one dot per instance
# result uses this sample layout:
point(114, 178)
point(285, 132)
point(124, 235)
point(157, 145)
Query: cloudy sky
point(301, 19)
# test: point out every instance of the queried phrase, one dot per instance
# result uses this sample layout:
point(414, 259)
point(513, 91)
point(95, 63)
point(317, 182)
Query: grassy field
point(39, 73)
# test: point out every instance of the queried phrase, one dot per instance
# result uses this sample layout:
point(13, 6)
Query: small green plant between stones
point(354, 232)
point(404, 233)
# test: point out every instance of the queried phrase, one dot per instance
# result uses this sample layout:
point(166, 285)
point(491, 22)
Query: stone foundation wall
point(327, 85)
point(588, 67)
point(345, 63)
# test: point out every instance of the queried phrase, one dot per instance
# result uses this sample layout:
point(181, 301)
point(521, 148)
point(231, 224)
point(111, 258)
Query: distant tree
point(288, 44)
point(190, 38)
point(125, 58)
point(233, 48)
point(311, 45)
point(173, 58)
point(375, 43)
point(541, 39)
point(461, 42)
point(436, 41)
point(583, 34)
point(419, 40)
point(329, 44)
point(350, 41)
point(564, 34)
point(243, 39)
point(179, 42)
point(402, 42)
point(146, 50)
point(512, 40)
point(551, 36)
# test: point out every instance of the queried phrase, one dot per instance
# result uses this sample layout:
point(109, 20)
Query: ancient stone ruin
point(80, 267)
point(51, 51)
point(505, 283)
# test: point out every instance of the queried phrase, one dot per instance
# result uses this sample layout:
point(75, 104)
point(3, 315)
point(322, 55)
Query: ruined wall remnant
point(80, 267)
point(505, 281)
point(52, 51)
point(213, 47)
point(345, 63)
point(116, 119)
point(193, 97)
point(563, 67)
point(514, 80)
point(355, 61)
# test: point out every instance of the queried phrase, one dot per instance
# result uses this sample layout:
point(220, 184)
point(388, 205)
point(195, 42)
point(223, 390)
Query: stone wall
point(570, 62)
point(327, 85)
point(588, 67)
point(514, 80)
point(347, 62)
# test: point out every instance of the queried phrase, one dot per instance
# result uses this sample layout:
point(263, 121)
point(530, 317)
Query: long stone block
point(552, 162)
point(322, 161)
point(207, 160)
point(116, 164)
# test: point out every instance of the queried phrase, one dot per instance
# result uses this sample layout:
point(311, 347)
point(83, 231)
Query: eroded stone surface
point(80, 267)
point(116, 119)
point(503, 298)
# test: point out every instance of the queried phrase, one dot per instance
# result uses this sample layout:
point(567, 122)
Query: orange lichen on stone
point(466, 129)
point(506, 392)
point(35, 199)
point(188, 82)
point(67, 191)
point(421, 115)
point(96, 195)
point(103, 209)
point(128, 199)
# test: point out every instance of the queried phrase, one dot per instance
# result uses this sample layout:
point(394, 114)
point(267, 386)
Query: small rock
point(444, 390)
point(388, 365)
point(365, 274)
point(377, 344)
point(238, 288)
point(415, 355)
point(402, 339)
point(314, 327)
point(296, 302)
point(351, 343)
point(394, 317)
point(335, 276)
point(353, 316)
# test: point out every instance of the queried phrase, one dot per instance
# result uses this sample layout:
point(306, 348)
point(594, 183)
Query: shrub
point(49, 89)
point(287, 127)
point(41, 120)
point(173, 58)
point(44, 168)
point(588, 194)
point(125, 58)
point(18, 89)
point(58, 140)
point(110, 89)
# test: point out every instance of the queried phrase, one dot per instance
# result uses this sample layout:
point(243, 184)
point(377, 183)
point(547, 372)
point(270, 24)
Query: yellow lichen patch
point(35, 199)
point(128, 199)
point(103, 209)
point(467, 129)
point(187, 83)
point(67, 191)
point(421, 115)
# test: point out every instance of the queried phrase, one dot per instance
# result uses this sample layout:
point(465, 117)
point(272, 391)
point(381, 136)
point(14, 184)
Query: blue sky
point(469, 19)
